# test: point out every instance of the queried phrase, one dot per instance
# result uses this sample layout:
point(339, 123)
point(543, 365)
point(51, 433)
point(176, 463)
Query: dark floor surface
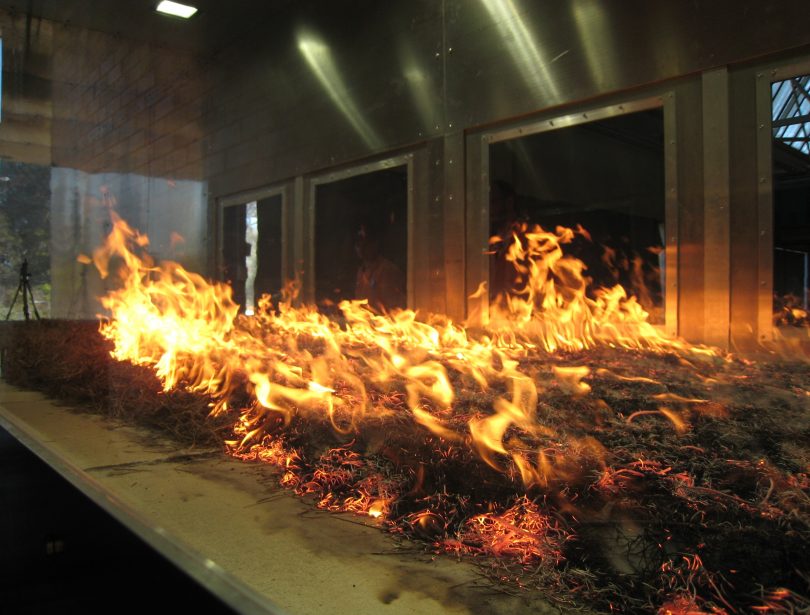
point(62, 554)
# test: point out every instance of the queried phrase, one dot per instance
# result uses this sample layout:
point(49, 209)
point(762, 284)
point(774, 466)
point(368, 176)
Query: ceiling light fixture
point(176, 9)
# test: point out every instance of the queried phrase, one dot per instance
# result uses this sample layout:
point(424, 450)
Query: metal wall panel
point(422, 246)
point(453, 265)
point(671, 213)
point(717, 263)
point(510, 57)
point(743, 206)
point(327, 83)
point(691, 216)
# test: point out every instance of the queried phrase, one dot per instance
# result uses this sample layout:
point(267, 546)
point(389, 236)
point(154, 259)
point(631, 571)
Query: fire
point(551, 304)
point(386, 388)
point(165, 316)
point(294, 360)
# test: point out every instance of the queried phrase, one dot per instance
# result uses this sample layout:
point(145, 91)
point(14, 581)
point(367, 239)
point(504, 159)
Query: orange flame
point(553, 306)
point(298, 361)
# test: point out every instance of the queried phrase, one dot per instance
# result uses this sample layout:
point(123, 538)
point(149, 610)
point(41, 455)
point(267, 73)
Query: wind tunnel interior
point(406, 155)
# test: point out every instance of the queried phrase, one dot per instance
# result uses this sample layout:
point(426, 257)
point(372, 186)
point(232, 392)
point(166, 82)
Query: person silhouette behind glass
point(379, 280)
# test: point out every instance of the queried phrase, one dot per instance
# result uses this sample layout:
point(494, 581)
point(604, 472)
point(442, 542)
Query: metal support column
point(717, 249)
point(454, 224)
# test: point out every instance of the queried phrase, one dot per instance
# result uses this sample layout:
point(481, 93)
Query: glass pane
point(25, 233)
point(790, 104)
point(791, 201)
point(251, 250)
point(606, 176)
point(361, 239)
point(268, 247)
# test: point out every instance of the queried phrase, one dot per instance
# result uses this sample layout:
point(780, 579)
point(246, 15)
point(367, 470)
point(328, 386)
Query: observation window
point(790, 152)
point(252, 249)
point(360, 232)
point(605, 176)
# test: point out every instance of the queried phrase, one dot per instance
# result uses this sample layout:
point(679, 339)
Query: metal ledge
point(256, 547)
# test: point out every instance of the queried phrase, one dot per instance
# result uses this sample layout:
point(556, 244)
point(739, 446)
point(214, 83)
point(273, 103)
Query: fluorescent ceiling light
point(175, 8)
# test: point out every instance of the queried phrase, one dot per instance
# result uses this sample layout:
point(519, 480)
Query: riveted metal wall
point(326, 83)
point(343, 84)
point(312, 88)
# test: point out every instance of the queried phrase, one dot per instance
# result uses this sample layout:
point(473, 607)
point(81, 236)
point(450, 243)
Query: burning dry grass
point(571, 448)
point(665, 482)
point(70, 361)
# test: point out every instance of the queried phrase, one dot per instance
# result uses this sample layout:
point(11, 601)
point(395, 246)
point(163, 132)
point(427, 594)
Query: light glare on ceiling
point(175, 8)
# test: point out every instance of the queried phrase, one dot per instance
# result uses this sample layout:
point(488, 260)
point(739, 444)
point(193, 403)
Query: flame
point(296, 361)
point(551, 304)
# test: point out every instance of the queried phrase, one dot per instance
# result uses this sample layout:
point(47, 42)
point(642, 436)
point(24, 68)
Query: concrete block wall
point(125, 106)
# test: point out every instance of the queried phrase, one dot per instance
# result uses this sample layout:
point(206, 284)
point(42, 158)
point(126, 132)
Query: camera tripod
point(24, 288)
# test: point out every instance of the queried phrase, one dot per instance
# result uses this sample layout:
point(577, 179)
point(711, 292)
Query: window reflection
point(25, 236)
point(361, 239)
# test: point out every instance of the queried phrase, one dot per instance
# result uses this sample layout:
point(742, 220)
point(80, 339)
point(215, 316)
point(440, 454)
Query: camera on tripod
point(24, 289)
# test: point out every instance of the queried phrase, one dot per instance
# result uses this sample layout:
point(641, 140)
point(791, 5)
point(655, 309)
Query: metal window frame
point(766, 330)
point(478, 179)
point(307, 188)
point(284, 190)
